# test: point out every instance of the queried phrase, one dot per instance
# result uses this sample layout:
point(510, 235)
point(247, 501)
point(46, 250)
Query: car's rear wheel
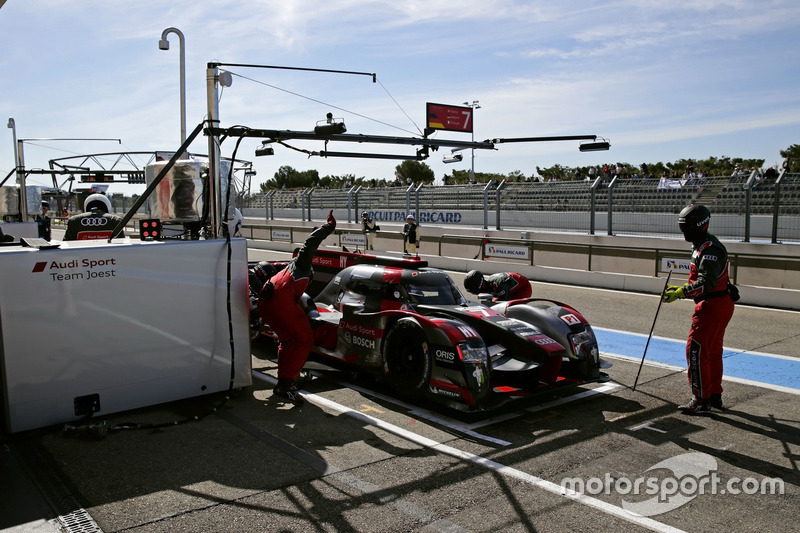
point(407, 358)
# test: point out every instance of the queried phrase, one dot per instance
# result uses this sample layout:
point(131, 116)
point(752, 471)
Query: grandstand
point(739, 196)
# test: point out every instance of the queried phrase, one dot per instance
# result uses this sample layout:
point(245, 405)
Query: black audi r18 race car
point(411, 326)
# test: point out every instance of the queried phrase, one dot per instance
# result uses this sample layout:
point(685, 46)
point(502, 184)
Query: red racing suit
point(506, 286)
point(708, 286)
point(284, 313)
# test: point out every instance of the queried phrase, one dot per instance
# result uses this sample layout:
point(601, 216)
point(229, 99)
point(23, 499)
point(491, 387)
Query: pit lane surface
point(351, 460)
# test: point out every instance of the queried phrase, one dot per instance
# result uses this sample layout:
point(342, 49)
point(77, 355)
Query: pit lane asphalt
point(350, 461)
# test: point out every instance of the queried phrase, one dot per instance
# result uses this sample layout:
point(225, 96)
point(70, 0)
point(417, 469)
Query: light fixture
point(264, 149)
point(452, 158)
point(330, 126)
point(597, 146)
point(225, 78)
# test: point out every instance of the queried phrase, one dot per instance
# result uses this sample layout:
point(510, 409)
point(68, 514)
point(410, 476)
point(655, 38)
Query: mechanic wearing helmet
point(96, 223)
point(503, 286)
point(708, 285)
point(281, 308)
point(411, 236)
point(368, 228)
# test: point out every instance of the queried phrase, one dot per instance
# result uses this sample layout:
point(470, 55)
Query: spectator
point(709, 286)
point(368, 228)
point(411, 236)
point(96, 223)
point(43, 221)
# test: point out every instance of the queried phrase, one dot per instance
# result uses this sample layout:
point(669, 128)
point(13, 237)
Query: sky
point(660, 80)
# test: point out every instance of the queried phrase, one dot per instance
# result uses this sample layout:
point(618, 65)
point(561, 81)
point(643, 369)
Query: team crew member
point(411, 236)
point(96, 223)
point(502, 286)
point(280, 306)
point(709, 287)
point(43, 221)
point(368, 228)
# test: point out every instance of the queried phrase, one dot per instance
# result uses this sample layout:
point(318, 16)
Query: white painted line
point(549, 486)
point(606, 387)
point(466, 429)
point(647, 425)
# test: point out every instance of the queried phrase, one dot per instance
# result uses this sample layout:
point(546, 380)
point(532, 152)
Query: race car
point(410, 325)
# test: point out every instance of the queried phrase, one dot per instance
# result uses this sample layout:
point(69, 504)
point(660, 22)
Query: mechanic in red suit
point(503, 286)
point(708, 285)
point(285, 314)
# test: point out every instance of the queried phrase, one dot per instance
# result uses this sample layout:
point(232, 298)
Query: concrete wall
point(767, 274)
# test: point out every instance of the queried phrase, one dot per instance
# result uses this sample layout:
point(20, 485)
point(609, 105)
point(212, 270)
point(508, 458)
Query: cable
point(323, 103)
point(399, 107)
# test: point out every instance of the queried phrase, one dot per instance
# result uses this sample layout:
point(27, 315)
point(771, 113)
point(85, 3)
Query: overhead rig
point(334, 130)
point(427, 144)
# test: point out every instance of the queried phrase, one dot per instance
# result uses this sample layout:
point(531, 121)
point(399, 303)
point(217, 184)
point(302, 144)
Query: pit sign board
point(449, 117)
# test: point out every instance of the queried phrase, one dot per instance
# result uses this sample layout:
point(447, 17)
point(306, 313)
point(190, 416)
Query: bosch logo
point(94, 221)
point(361, 341)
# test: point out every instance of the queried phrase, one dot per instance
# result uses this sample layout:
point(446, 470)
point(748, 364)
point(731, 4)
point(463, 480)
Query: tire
point(407, 359)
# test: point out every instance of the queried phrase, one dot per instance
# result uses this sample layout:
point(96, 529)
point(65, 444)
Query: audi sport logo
point(94, 221)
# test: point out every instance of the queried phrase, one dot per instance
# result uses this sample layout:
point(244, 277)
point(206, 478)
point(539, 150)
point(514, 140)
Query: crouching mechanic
point(280, 305)
point(502, 286)
point(708, 285)
point(96, 223)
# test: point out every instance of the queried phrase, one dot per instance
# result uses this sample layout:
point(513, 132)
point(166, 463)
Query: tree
point(416, 171)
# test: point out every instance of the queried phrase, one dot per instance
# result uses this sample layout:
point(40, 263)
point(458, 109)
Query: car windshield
point(433, 289)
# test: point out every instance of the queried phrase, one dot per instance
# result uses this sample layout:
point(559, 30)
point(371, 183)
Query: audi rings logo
point(94, 221)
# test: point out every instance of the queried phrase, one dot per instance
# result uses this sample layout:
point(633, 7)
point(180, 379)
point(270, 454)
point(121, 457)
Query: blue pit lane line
point(753, 367)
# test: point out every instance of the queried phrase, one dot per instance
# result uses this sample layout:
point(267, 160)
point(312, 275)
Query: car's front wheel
point(407, 358)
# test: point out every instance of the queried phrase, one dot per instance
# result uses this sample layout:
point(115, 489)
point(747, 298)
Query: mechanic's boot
point(696, 406)
point(288, 389)
point(716, 401)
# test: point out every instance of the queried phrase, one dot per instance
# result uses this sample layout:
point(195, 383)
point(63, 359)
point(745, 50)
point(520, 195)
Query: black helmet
point(265, 271)
point(693, 221)
point(473, 282)
point(364, 215)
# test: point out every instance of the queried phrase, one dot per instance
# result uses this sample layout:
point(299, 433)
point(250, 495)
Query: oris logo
point(444, 355)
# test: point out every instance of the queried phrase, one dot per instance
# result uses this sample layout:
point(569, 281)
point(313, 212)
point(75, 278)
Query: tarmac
point(353, 458)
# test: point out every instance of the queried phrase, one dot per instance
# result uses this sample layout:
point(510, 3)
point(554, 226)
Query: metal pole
point(486, 204)
point(498, 191)
point(611, 205)
point(214, 171)
point(18, 162)
point(660, 301)
point(163, 44)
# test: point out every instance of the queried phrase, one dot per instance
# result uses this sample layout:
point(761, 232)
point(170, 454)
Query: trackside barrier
point(764, 276)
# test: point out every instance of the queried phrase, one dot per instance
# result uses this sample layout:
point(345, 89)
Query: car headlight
point(473, 354)
point(584, 344)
